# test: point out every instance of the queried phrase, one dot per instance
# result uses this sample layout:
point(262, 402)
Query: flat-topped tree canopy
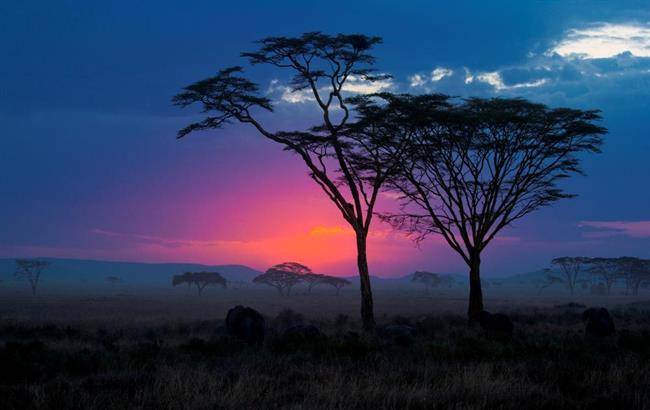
point(476, 165)
point(31, 270)
point(282, 280)
point(321, 66)
point(200, 280)
point(294, 267)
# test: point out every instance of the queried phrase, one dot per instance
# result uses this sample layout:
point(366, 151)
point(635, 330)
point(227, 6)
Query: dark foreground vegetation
point(546, 364)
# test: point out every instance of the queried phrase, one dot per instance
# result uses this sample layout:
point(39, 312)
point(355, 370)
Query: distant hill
point(93, 273)
point(136, 273)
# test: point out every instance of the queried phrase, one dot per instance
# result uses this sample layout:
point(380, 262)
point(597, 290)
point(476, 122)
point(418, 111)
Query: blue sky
point(87, 130)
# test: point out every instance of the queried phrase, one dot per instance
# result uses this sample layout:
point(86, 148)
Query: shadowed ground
point(172, 352)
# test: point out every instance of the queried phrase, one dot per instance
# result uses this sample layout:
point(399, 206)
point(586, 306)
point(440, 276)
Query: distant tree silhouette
point(570, 269)
point(477, 165)
point(607, 269)
point(336, 282)
point(30, 270)
point(312, 280)
point(200, 280)
point(428, 279)
point(294, 267)
point(283, 281)
point(635, 271)
point(322, 66)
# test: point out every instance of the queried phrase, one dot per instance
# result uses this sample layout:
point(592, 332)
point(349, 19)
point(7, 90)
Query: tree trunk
point(367, 311)
point(475, 292)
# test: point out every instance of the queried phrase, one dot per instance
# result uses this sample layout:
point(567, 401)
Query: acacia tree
point(607, 269)
point(200, 280)
point(312, 279)
point(635, 271)
point(30, 270)
point(322, 66)
point(477, 165)
point(305, 273)
point(283, 281)
point(316, 279)
point(570, 269)
point(428, 279)
point(294, 267)
point(336, 282)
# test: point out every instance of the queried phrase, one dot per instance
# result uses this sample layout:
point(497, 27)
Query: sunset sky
point(90, 167)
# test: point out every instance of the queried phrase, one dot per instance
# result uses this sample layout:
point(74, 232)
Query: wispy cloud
point(440, 73)
point(417, 80)
point(359, 85)
point(353, 85)
point(423, 80)
point(634, 229)
point(495, 79)
point(605, 40)
point(586, 60)
point(165, 242)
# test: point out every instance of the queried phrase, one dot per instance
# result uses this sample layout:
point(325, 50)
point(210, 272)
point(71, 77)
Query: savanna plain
point(170, 350)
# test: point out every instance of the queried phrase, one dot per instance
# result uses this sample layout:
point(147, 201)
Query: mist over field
point(85, 342)
point(80, 291)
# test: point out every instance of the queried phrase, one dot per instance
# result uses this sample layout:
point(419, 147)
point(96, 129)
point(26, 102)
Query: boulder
point(598, 323)
point(245, 324)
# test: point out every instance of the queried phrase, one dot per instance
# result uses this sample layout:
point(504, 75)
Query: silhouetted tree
point(30, 270)
point(312, 279)
point(607, 269)
point(336, 282)
point(283, 281)
point(570, 269)
point(200, 280)
point(305, 273)
point(477, 165)
point(322, 66)
point(635, 271)
point(428, 279)
point(294, 267)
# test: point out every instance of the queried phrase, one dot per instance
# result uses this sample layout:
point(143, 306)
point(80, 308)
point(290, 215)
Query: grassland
point(171, 352)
